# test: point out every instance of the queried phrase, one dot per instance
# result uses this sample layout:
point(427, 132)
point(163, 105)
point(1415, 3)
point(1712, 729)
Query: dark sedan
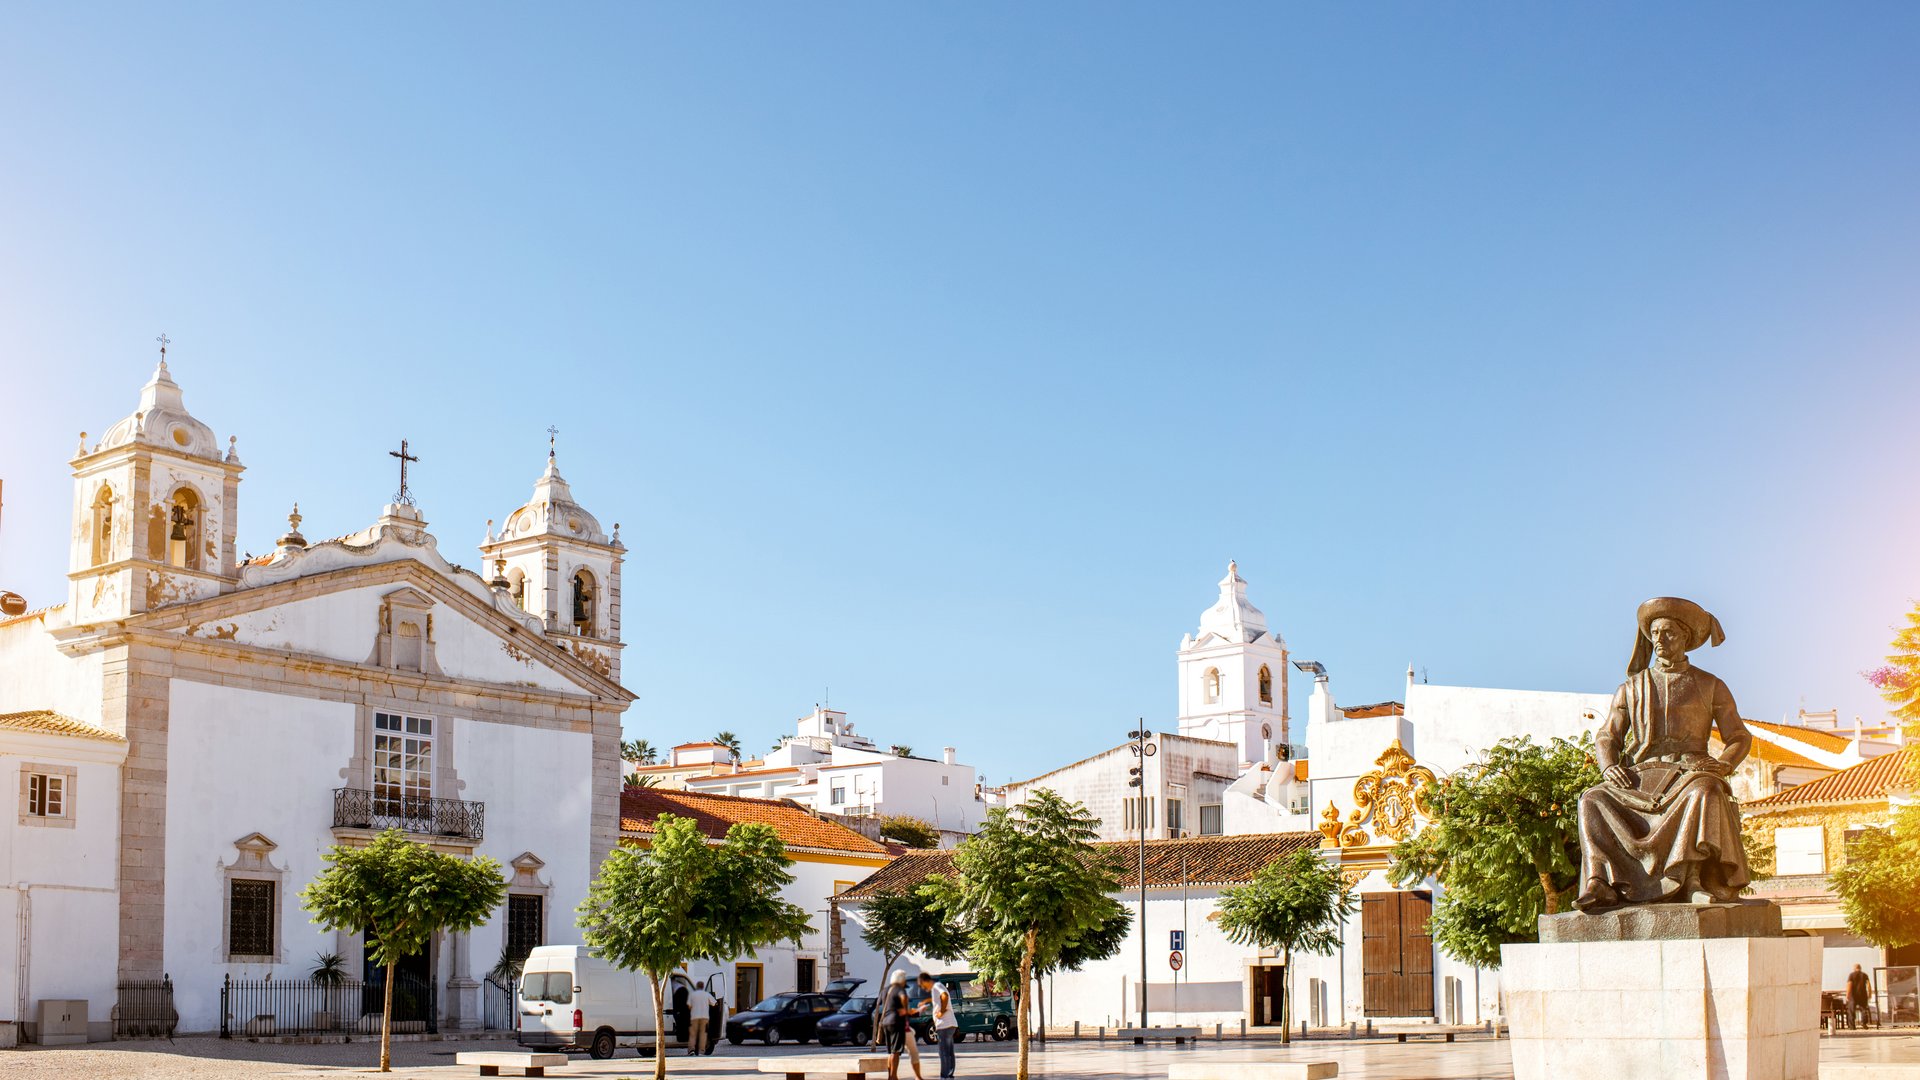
point(780, 1017)
point(851, 1024)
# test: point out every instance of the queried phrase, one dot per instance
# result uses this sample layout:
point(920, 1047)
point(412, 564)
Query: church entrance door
point(414, 999)
point(1396, 953)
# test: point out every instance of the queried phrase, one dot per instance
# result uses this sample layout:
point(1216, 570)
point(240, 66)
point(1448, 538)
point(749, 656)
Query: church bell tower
point(1233, 676)
point(154, 504)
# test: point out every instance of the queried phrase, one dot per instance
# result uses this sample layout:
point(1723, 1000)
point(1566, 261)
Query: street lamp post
point(1142, 750)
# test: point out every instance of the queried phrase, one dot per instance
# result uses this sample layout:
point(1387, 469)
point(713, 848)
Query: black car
point(782, 1016)
point(851, 1023)
point(842, 989)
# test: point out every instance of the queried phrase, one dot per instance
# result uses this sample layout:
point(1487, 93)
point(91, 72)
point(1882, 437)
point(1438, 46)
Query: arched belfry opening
point(583, 597)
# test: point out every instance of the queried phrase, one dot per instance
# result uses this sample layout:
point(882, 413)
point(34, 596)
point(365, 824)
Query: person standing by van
point(898, 1013)
point(717, 1012)
point(699, 1005)
point(945, 1024)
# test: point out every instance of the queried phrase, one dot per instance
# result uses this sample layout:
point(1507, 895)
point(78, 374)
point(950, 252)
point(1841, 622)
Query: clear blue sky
point(944, 354)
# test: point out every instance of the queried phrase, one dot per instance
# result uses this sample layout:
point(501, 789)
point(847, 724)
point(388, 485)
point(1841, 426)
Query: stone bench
point(491, 1062)
point(1254, 1070)
point(847, 1065)
point(1179, 1035)
point(1401, 1031)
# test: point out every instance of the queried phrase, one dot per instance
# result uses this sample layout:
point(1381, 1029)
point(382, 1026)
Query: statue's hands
point(1716, 767)
point(1619, 776)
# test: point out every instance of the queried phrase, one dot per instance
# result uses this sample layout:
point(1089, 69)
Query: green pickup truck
point(979, 1012)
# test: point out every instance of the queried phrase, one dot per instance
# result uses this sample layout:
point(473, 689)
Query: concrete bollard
point(1369, 1027)
point(1076, 1030)
point(1353, 1030)
point(1217, 1028)
point(1303, 1029)
point(1103, 1033)
point(1243, 1027)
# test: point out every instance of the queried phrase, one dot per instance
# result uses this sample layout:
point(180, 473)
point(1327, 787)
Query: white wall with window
point(58, 848)
point(1800, 849)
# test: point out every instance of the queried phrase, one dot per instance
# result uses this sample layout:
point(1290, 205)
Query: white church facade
point(190, 730)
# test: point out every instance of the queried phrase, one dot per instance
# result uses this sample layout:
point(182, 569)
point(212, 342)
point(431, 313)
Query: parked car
point(782, 1016)
point(841, 989)
point(979, 1011)
point(851, 1023)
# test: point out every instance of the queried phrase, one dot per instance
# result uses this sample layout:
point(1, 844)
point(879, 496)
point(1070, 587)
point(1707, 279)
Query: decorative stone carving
point(1392, 798)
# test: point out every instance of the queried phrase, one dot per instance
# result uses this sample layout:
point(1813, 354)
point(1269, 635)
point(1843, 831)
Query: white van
point(571, 999)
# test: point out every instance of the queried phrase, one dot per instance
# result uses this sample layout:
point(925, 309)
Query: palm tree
point(640, 752)
point(731, 742)
point(902, 751)
point(635, 780)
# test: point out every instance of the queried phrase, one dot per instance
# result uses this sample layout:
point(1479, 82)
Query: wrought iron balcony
point(358, 808)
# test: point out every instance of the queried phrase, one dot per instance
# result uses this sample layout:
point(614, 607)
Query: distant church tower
point(559, 566)
point(1233, 675)
point(154, 511)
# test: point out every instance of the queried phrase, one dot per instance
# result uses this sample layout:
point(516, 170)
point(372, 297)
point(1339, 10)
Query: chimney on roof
point(947, 754)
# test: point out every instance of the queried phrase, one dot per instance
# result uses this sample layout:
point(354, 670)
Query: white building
point(828, 858)
point(830, 769)
point(270, 708)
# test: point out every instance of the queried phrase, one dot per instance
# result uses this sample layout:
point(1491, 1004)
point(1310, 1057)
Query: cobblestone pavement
point(214, 1059)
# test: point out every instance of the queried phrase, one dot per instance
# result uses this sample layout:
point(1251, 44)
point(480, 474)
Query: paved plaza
point(214, 1059)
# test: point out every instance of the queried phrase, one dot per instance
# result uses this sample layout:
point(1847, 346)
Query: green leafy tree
point(1029, 887)
point(1503, 840)
point(636, 780)
point(640, 752)
point(1294, 904)
point(1879, 887)
point(911, 920)
point(1899, 679)
point(901, 751)
point(400, 893)
point(910, 831)
point(729, 742)
point(653, 909)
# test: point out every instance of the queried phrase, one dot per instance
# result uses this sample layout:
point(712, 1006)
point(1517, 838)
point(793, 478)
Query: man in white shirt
point(699, 1002)
point(945, 1024)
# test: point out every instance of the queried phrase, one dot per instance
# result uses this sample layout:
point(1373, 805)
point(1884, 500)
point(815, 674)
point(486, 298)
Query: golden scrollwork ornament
point(1394, 795)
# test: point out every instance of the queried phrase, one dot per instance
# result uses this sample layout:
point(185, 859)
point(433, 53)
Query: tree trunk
point(660, 1029)
point(1553, 895)
point(1026, 1000)
point(1286, 979)
point(386, 1021)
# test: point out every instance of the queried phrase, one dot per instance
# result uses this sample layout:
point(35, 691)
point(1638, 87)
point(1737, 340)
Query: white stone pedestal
point(1702, 1009)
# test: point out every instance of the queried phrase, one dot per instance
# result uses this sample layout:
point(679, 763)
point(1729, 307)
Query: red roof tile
point(1872, 779)
point(1200, 860)
point(46, 722)
point(1821, 740)
point(714, 814)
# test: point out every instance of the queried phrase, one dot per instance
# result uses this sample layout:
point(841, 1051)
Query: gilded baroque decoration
point(1389, 798)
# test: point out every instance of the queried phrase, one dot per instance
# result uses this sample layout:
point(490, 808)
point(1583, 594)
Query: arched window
point(183, 530)
point(1210, 685)
point(583, 603)
point(1266, 685)
point(103, 525)
point(517, 587)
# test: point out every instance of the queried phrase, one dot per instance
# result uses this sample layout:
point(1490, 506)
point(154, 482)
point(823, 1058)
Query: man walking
point(699, 1003)
point(1859, 989)
point(945, 1024)
point(897, 1014)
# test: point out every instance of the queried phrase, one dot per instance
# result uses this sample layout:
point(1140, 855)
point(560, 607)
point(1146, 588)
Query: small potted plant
point(330, 974)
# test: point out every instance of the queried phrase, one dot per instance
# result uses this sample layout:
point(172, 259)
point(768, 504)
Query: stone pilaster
point(143, 675)
point(606, 788)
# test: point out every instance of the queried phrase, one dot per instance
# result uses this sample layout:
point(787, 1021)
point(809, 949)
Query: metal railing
point(144, 1009)
point(268, 1008)
point(358, 808)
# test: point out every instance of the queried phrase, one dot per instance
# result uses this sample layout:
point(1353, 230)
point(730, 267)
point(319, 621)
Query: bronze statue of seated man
point(1664, 827)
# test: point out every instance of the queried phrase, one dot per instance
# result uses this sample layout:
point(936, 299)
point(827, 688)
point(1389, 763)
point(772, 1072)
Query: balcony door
point(403, 771)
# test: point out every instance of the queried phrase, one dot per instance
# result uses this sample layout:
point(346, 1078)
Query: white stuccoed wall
point(39, 676)
point(59, 894)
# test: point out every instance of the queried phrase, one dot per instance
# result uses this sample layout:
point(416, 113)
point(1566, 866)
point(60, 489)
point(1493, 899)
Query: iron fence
point(144, 1009)
point(359, 808)
point(499, 1007)
point(265, 1008)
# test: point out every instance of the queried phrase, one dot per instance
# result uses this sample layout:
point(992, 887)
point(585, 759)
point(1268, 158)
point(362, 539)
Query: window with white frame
point(46, 795)
point(1175, 821)
point(837, 796)
point(402, 764)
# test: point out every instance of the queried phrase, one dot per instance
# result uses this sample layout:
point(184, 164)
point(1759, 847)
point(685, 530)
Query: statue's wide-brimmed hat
point(1702, 627)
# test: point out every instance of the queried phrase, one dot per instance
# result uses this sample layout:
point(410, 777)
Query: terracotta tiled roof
point(1200, 860)
point(1869, 780)
point(46, 722)
point(1820, 740)
point(36, 613)
point(715, 813)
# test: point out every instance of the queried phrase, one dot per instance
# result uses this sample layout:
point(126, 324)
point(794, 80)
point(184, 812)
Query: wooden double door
point(1396, 953)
